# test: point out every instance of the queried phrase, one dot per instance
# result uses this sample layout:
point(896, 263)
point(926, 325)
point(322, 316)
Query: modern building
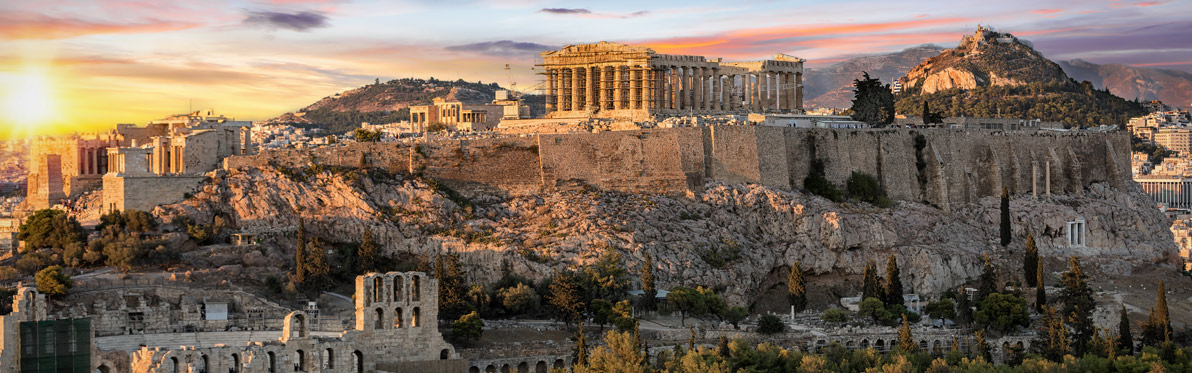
point(1175, 139)
point(622, 81)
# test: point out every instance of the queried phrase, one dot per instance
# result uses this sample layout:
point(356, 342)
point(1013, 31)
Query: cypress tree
point(988, 281)
point(691, 342)
point(1125, 338)
point(1030, 260)
point(1161, 315)
point(906, 342)
point(1052, 340)
point(1005, 217)
point(893, 288)
point(982, 349)
point(581, 347)
point(367, 255)
point(318, 271)
point(796, 288)
point(648, 299)
point(964, 308)
point(722, 347)
point(300, 254)
point(1040, 293)
point(872, 286)
point(1078, 306)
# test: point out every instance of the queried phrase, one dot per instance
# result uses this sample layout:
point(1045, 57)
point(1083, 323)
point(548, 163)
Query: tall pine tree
point(1040, 292)
point(906, 342)
point(872, 286)
point(1030, 260)
point(987, 284)
point(796, 288)
point(318, 270)
point(1078, 306)
point(1125, 337)
point(1005, 217)
point(648, 299)
point(893, 286)
point(581, 347)
point(452, 303)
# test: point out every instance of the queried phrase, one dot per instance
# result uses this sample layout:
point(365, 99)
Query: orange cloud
point(1151, 3)
point(37, 26)
point(1047, 11)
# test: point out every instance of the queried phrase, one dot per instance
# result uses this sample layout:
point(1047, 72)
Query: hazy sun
point(28, 100)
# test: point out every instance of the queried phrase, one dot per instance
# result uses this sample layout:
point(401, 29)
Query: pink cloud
point(37, 26)
point(1150, 3)
point(1047, 11)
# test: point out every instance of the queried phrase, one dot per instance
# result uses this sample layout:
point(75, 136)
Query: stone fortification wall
point(940, 166)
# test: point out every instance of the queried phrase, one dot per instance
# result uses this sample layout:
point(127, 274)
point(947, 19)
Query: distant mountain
point(832, 86)
point(383, 103)
point(992, 73)
point(1173, 87)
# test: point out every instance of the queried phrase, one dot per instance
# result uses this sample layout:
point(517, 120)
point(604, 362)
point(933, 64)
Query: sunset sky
point(88, 64)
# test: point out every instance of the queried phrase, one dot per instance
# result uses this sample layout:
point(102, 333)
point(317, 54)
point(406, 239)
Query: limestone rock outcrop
point(985, 58)
point(729, 236)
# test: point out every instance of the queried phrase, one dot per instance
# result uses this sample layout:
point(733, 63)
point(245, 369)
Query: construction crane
point(512, 84)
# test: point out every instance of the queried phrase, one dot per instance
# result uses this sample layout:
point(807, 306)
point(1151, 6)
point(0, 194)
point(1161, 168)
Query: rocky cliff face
point(728, 236)
point(983, 59)
point(832, 86)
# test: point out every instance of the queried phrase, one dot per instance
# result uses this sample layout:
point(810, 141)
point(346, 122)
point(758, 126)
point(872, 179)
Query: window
point(416, 289)
point(380, 321)
point(414, 319)
point(329, 359)
point(397, 318)
point(378, 286)
point(397, 284)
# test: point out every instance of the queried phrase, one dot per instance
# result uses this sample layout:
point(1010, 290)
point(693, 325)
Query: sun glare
point(28, 100)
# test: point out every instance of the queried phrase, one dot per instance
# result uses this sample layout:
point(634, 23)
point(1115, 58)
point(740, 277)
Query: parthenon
point(616, 80)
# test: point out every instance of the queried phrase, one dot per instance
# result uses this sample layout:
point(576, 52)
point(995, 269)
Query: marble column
point(717, 90)
point(681, 88)
point(590, 89)
point(708, 88)
point(618, 86)
point(576, 93)
point(799, 91)
point(560, 101)
point(603, 90)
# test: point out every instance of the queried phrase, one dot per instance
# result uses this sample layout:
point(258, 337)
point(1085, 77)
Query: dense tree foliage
point(339, 115)
point(52, 281)
point(1030, 261)
point(770, 324)
point(873, 102)
point(796, 288)
point(1125, 336)
point(649, 291)
point(1072, 103)
point(1005, 222)
point(50, 228)
point(872, 284)
point(468, 327)
point(865, 188)
point(1078, 306)
point(817, 182)
point(893, 287)
point(1004, 313)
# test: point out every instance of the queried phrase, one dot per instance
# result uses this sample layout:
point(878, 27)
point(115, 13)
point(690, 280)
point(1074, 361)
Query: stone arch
point(272, 361)
point(865, 343)
point(444, 354)
point(299, 360)
point(415, 317)
point(358, 361)
point(850, 345)
point(474, 369)
point(524, 367)
point(329, 358)
point(540, 367)
point(235, 359)
point(397, 318)
point(880, 345)
point(379, 322)
point(398, 283)
point(174, 365)
point(937, 347)
point(203, 363)
point(505, 368)
point(416, 288)
point(490, 369)
point(378, 289)
point(1006, 351)
point(103, 368)
point(922, 345)
point(820, 344)
point(559, 363)
point(295, 326)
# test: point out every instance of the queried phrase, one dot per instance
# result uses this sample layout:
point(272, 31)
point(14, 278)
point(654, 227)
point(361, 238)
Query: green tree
point(1078, 306)
point(981, 347)
point(796, 288)
point(687, 301)
point(581, 347)
point(964, 308)
point(1052, 340)
point(1125, 337)
point(1040, 292)
point(906, 342)
point(872, 285)
point(622, 316)
point(1002, 312)
point(835, 315)
point(873, 102)
point(1030, 261)
point(363, 135)
point(929, 116)
point(1005, 217)
point(1157, 329)
point(451, 286)
point(519, 299)
point(367, 255)
point(817, 182)
point(650, 292)
point(770, 324)
point(52, 281)
point(564, 298)
point(602, 312)
point(622, 354)
point(734, 315)
point(875, 310)
point(942, 309)
point(50, 228)
point(865, 188)
point(318, 270)
point(468, 328)
point(987, 284)
point(893, 286)
point(607, 278)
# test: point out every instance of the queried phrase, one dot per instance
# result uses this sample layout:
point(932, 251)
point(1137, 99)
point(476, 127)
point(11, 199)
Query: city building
point(1172, 192)
point(621, 81)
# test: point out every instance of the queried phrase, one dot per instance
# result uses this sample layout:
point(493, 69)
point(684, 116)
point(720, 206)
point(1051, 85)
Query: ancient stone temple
point(616, 80)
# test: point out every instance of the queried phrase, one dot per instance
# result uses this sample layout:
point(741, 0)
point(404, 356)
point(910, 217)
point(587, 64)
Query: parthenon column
point(560, 101)
point(700, 88)
point(603, 90)
point(618, 86)
point(717, 90)
point(550, 90)
point(799, 91)
point(708, 89)
point(680, 88)
point(634, 88)
point(776, 90)
point(757, 93)
point(590, 89)
point(576, 104)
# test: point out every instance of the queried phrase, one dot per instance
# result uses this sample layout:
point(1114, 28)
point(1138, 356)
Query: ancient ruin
point(616, 80)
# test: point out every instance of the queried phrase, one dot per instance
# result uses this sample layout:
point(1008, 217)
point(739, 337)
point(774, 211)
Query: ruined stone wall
point(952, 166)
point(146, 192)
